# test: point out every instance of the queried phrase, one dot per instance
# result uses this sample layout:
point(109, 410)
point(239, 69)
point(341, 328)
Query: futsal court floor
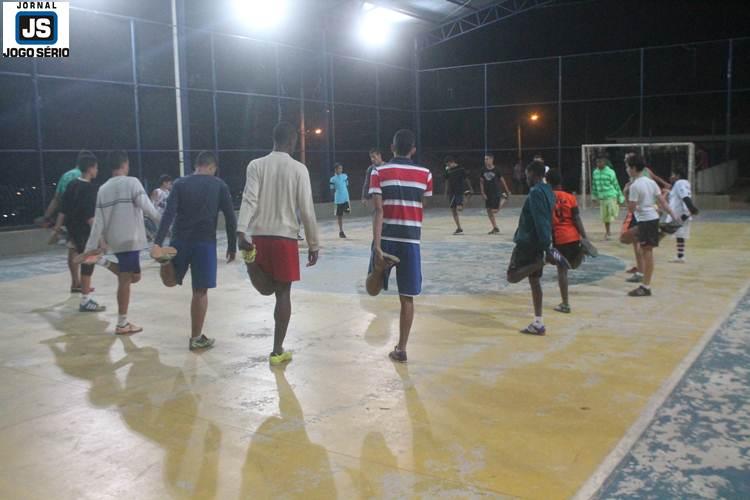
point(619, 400)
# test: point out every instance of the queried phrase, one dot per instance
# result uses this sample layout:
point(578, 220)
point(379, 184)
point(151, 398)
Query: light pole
point(533, 118)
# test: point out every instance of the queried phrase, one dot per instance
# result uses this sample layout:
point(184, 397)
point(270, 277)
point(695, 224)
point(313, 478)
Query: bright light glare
point(261, 14)
point(534, 117)
point(318, 131)
point(376, 24)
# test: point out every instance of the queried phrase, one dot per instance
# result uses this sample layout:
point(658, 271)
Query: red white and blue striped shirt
point(402, 184)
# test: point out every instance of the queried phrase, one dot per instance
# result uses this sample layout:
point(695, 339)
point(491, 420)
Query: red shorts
point(278, 257)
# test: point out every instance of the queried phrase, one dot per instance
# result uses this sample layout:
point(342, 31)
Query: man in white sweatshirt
point(119, 227)
point(276, 187)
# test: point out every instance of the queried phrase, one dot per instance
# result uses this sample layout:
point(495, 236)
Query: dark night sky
point(596, 25)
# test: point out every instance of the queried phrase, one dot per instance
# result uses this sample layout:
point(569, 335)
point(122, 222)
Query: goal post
point(659, 156)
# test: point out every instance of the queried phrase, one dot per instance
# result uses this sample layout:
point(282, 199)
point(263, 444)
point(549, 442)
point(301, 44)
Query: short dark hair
point(115, 159)
point(680, 171)
point(164, 179)
point(537, 168)
point(376, 151)
point(337, 165)
point(449, 159)
point(554, 177)
point(205, 158)
point(538, 155)
point(404, 141)
point(284, 134)
point(634, 160)
point(86, 160)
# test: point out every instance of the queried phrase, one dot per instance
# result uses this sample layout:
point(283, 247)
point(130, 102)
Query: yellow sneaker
point(249, 255)
point(277, 359)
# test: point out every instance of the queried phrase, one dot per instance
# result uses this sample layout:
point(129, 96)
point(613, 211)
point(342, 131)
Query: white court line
point(592, 486)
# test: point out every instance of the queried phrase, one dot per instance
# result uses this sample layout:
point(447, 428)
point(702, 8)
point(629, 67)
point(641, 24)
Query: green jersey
point(66, 179)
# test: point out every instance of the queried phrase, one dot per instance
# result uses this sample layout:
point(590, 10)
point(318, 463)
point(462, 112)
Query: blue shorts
point(200, 257)
point(408, 271)
point(129, 262)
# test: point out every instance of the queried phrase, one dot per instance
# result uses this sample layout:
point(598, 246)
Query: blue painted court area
point(698, 446)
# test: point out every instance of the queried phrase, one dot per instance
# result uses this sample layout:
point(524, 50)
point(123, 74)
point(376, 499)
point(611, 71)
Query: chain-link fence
point(697, 92)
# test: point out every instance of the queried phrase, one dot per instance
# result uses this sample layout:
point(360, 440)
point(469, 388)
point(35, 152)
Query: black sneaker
point(641, 291)
point(494, 231)
point(397, 355)
point(458, 231)
point(555, 257)
point(342, 235)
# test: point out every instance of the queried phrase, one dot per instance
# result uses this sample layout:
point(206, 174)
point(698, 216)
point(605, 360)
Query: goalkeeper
point(606, 189)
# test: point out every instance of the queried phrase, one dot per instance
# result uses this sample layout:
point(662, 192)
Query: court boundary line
point(615, 457)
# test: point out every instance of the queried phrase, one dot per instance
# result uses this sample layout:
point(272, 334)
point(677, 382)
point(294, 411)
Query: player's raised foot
point(563, 308)
point(89, 258)
point(641, 291)
point(632, 270)
point(535, 329)
point(636, 278)
point(588, 248)
point(91, 306)
point(128, 329)
point(299, 237)
point(278, 359)
point(458, 231)
point(397, 355)
point(342, 235)
point(495, 230)
point(556, 258)
point(162, 255)
point(677, 260)
point(202, 342)
point(669, 227)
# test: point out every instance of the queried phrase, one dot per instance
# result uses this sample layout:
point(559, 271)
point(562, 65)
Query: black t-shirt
point(456, 178)
point(79, 205)
point(491, 181)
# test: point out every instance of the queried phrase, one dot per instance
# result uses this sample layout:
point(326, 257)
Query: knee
point(200, 293)
point(135, 278)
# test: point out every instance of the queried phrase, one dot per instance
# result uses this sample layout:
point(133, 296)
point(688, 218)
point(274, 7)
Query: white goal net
point(660, 157)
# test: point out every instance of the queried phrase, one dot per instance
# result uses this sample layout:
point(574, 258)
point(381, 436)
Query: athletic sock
point(538, 320)
point(85, 298)
point(647, 287)
point(122, 320)
point(680, 248)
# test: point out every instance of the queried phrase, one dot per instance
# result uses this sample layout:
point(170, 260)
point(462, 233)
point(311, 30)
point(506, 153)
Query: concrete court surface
point(479, 411)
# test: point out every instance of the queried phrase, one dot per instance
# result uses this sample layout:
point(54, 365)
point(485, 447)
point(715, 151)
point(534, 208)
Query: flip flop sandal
point(128, 329)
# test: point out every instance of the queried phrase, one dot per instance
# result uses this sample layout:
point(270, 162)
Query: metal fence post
point(38, 125)
point(137, 107)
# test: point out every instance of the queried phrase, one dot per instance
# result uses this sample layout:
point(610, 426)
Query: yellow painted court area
point(480, 410)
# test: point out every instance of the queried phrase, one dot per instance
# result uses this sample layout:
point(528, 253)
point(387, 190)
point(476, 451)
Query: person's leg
point(168, 274)
point(491, 215)
point(281, 315)
point(75, 277)
point(261, 280)
point(536, 296)
point(647, 258)
point(607, 231)
point(638, 256)
point(86, 274)
point(198, 309)
point(518, 274)
point(340, 219)
point(406, 320)
point(562, 280)
point(454, 211)
point(681, 248)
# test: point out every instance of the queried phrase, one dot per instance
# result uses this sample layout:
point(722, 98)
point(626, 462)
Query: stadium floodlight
point(261, 14)
point(375, 25)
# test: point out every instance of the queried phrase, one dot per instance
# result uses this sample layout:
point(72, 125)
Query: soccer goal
point(660, 157)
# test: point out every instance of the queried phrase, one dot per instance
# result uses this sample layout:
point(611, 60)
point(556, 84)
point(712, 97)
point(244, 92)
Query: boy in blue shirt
point(340, 186)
